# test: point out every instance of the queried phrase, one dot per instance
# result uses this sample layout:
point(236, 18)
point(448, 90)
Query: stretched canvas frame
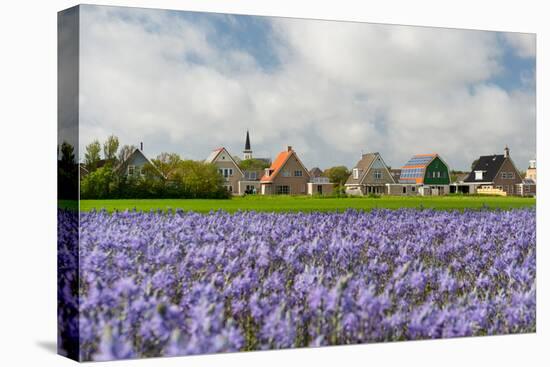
point(333, 262)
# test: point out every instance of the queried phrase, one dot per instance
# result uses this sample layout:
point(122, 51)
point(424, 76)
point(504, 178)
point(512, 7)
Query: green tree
point(253, 164)
point(201, 180)
point(99, 184)
point(110, 148)
point(67, 173)
point(168, 164)
point(92, 155)
point(337, 175)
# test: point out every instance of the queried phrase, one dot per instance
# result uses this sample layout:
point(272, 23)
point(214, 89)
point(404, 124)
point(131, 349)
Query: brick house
point(228, 169)
point(287, 175)
point(496, 171)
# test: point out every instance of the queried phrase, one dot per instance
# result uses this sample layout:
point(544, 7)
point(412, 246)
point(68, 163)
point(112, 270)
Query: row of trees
point(169, 176)
point(190, 179)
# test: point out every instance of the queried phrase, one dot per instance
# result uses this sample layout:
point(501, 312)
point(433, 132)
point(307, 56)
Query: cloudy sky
point(189, 82)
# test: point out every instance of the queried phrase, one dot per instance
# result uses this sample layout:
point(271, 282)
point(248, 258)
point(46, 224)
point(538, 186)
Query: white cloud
point(341, 88)
point(524, 44)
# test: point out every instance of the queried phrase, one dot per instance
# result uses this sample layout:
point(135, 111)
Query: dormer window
point(479, 175)
point(356, 173)
point(131, 170)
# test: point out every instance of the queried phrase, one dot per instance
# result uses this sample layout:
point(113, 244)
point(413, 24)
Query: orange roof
point(417, 180)
point(277, 165)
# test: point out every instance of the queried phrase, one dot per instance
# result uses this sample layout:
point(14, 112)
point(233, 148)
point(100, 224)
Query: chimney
point(507, 152)
point(289, 148)
point(141, 146)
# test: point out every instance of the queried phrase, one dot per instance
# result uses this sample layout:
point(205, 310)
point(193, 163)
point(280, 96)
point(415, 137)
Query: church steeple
point(247, 144)
point(247, 152)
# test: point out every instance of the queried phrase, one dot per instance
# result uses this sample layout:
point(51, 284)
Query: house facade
point(228, 169)
point(493, 174)
point(528, 187)
point(287, 175)
point(133, 166)
point(369, 176)
point(531, 172)
point(423, 174)
point(250, 184)
point(320, 186)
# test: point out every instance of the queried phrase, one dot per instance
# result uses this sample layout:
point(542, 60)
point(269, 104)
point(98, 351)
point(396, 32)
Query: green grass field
point(305, 204)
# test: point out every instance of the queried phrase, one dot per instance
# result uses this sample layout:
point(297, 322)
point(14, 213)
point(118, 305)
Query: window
point(286, 173)
point(229, 188)
point(319, 189)
point(298, 173)
point(413, 188)
point(404, 189)
point(377, 174)
point(498, 187)
point(527, 188)
point(283, 190)
point(433, 174)
point(511, 175)
point(226, 172)
point(503, 175)
point(131, 170)
point(356, 173)
point(438, 174)
point(479, 175)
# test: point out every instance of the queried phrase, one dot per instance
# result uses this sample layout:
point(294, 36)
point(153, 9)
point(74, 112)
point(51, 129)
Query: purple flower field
point(165, 284)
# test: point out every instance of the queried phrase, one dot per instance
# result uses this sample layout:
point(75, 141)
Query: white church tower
point(247, 152)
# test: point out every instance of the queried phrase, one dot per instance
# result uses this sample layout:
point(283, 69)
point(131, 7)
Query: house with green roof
point(423, 174)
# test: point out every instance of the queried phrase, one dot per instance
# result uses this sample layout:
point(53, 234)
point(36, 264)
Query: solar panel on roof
point(420, 160)
point(412, 172)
